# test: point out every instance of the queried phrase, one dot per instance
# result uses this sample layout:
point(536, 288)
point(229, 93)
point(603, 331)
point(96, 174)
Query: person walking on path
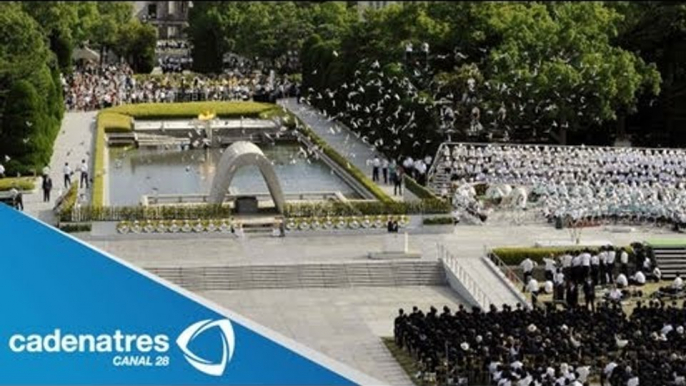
point(47, 187)
point(398, 183)
point(67, 175)
point(384, 170)
point(84, 173)
point(376, 163)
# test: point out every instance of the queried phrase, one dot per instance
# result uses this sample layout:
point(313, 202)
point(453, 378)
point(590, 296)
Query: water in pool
point(137, 172)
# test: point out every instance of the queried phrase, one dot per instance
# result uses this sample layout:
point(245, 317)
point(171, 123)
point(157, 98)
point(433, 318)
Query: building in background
point(169, 17)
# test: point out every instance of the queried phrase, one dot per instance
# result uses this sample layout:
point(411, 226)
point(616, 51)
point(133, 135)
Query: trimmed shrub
point(75, 228)
point(68, 202)
point(113, 122)
point(438, 221)
point(192, 109)
point(515, 255)
point(22, 183)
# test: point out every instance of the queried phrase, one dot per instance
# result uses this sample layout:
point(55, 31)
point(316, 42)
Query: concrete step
point(386, 274)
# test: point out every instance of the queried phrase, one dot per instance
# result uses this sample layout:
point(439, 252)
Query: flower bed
point(175, 226)
point(343, 222)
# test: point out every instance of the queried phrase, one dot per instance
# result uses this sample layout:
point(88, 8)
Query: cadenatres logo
point(133, 350)
point(227, 337)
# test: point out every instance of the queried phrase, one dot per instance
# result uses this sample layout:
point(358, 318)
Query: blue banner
point(72, 315)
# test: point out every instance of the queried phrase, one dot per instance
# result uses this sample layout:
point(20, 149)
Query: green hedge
point(420, 191)
point(438, 221)
point(192, 109)
point(115, 122)
point(368, 208)
point(75, 228)
point(515, 255)
point(21, 183)
point(133, 213)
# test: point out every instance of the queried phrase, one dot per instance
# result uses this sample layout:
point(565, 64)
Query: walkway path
point(74, 143)
point(340, 138)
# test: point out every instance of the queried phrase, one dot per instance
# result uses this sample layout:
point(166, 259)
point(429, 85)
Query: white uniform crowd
point(601, 183)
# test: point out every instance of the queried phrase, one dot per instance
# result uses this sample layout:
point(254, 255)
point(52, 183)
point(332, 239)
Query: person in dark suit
point(47, 187)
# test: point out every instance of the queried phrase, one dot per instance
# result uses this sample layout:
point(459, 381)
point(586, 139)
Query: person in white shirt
point(2, 171)
point(532, 286)
point(83, 168)
point(610, 264)
point(550, 267)
point(384, 170)
point(548, 287)
point(559, 282)
point(615, 294)
point(376, 163)
point(622, 281)
point(67, 175)
point(639, 279)
point(595, 268)
point(678, 283)
point(527, 268)
point(624, 261)
point(585, 264)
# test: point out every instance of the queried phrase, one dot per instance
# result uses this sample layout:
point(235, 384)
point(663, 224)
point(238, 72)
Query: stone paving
point(343, 323)
point(341, 139)
point(74, 143)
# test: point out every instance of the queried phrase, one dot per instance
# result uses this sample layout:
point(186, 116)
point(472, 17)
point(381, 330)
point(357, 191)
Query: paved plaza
point(343, 323)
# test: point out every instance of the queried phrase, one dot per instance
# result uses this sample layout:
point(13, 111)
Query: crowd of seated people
point(581, 183)
point(547, 346)
point(173, 56)
point(93, 87)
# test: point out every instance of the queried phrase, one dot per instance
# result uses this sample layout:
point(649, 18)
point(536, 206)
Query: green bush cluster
point(438, 221)
point(515, 255)
point(133, 213)
point(21, 183)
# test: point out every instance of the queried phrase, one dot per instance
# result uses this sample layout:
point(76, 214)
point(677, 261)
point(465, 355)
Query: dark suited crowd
point(547, 345)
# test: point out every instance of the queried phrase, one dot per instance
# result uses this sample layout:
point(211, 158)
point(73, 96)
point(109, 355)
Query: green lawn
point(21, 183)
point(656, 243)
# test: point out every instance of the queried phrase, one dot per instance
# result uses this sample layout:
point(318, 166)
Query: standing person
point(84, 174)
point(67, 175)
point(528, 268)
point(393, 172)
point(550, 267)
point(398, 185)
point(376, 163)
point(589, 294)
point(17, 198)
point(624, 261)
point(610, 264)
point(2, 171)
point(384, 170)
point(595, 268)
point(47, 187)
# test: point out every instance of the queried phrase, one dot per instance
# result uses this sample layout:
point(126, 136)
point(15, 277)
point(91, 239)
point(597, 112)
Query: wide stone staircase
point(671, 260)
point(332, 275)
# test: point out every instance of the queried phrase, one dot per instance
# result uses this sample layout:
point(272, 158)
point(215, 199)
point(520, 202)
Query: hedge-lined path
point(74, 143)
point(341, 139)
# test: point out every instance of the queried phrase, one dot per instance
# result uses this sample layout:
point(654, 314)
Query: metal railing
point(505, 269)
point(464, 278)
